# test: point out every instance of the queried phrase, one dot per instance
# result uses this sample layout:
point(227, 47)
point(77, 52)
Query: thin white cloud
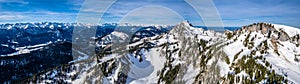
point(75, 2)
point(94, 6)
point(248, 9)
point(92, 10)
point(152, 15)
point(11, 17)
point(16, 17)
point(14, 1)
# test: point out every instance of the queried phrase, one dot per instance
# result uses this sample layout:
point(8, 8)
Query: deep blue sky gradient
point(233, 12)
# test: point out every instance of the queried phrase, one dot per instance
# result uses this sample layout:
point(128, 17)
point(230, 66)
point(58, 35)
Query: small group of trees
point(256, 72)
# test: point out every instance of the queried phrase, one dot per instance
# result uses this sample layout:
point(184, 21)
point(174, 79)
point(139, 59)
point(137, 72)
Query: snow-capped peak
point(186, 28)
point(185, 23)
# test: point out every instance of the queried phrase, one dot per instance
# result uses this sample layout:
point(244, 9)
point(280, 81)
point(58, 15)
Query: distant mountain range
point(256, 53)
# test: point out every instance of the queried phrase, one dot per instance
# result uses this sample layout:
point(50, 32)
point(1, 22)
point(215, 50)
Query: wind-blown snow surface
point(157, 64)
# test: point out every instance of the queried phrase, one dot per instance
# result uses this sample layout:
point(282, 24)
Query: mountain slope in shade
point(257, 53)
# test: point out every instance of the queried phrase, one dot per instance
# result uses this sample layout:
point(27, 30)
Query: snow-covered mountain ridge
point(53, 25)
point(274, 46)
point(257, 53)
point(25, 45)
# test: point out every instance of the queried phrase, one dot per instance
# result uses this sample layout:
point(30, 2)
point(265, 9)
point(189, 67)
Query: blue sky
point(232, 12)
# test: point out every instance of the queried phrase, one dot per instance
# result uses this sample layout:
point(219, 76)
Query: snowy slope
point(291, 31)
point(256, 53)
point(281, 55)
